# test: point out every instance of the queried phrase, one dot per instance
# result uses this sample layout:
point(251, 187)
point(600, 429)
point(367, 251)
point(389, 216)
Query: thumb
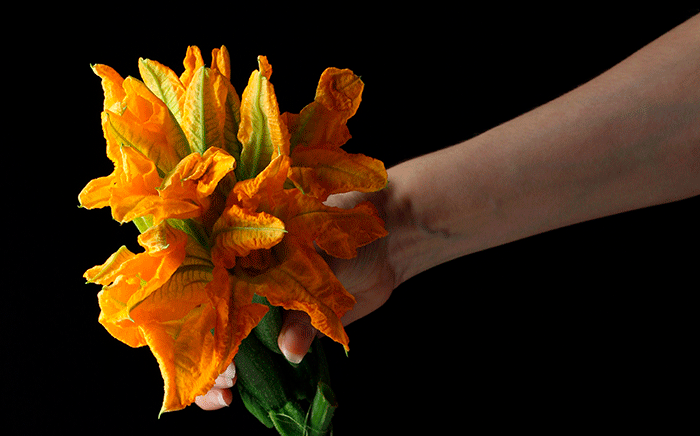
point(296, 335)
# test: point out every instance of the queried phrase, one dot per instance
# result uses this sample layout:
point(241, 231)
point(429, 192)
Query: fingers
point(296, 335)
point(220, 395)
point(227, 378)
point(294, 340)
point(215, 399)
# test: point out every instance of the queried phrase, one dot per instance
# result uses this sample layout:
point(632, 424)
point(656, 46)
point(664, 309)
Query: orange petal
point(185, 191)
point(193, 61)
point(262, 132)
point(237, 314)
point(148, 126)
point(135, 187)
point(322, 124)
point(194, 349)
point(238, 231)
point(112, 86)
point(130, 279)
point(97, 192)
point(107, 272)
point(185, 351)
point(221, 61)
point(339, 232)
point(260, 191)
point(303, 281)
point(321, 172)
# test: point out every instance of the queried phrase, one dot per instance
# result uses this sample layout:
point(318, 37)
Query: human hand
point(369, 277)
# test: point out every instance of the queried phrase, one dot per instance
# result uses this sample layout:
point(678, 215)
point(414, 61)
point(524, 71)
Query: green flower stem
point(294, 399)
point(322, 410)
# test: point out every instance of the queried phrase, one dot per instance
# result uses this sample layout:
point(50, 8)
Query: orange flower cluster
point(228, 195)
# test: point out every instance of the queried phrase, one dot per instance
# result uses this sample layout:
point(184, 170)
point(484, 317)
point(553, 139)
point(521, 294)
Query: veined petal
point(260, 191)
point(196, 177)
point(185, 192)
point(204, 112)
point(148, 126)
point(322, 172)
point(164, 84)
point(130, 279)
point(186, 353)
point(237, 314)
point(339, 232)
point(262, 132)
point(134, 187)
point(303, 281)
point(217, 163)
point(184, 290)
point(322, 124)
point(238, 231)
point(106, 273)
point(194, 349)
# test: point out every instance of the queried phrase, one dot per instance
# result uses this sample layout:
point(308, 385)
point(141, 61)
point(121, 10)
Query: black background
point(585, 327)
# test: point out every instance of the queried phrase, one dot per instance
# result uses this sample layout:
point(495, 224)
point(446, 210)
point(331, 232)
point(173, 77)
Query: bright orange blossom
point(228, 195)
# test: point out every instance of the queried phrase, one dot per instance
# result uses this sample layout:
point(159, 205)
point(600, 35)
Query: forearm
point(628, 139)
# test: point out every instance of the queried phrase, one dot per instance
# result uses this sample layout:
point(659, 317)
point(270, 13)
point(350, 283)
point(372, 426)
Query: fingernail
point(223, 382)
point(285, 345)
point(219, 398)
point(230, 371)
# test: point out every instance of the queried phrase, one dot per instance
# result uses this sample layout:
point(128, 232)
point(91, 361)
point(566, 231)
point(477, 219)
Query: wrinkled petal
point(194, 349)
point(148, 126)
point(130, 279)
point(339, 232)
point(185, 193)
point(107, 272)
point(135, 189)
point(185, 351)
point(239, 231)
point(322, 124)
point(261, 191)
point(303, 281)
point(237, 314)
point(321, 172)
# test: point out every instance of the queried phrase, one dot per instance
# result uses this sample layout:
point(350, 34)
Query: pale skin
point(628, 139)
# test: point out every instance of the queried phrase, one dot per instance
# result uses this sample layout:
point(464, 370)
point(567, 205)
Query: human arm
point(628, 139)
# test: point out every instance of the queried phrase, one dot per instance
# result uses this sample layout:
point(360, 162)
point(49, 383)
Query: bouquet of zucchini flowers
point(228, 195)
